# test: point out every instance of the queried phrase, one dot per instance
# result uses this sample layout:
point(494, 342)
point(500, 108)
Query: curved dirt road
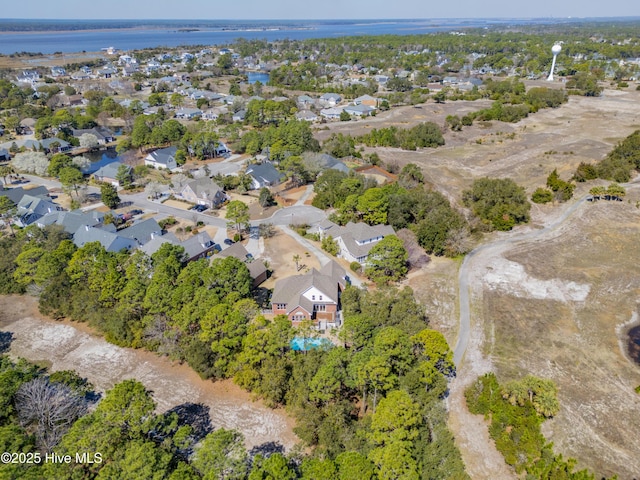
point(481, 458)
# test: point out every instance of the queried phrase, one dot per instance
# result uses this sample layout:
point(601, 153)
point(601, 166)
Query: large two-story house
point(355, 240)
point(204, 191)
point(163, 158)
point(313, 296)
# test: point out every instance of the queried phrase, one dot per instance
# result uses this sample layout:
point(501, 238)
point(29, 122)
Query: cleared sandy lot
point(71, 346)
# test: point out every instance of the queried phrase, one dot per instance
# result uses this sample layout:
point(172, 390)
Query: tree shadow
point(197, 416)
point(266, 449)
point(5, 341)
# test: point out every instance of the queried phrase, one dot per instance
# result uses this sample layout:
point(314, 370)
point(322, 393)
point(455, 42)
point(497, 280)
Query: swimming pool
point(302, 344)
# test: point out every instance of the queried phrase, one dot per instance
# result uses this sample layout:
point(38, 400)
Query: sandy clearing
point(69, 346)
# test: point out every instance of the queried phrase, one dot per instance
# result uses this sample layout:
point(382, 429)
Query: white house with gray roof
point(355, 240)
point(108, 173)
point(264, 175)
point(359, 110)
point(163, 158)
point(330, 99)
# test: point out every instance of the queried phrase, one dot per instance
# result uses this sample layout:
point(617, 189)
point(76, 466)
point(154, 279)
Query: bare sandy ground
point(72, 346)
point(552, 307)
point(555, 307)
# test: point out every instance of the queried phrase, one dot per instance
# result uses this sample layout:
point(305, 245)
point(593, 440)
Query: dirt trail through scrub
point(71, 346)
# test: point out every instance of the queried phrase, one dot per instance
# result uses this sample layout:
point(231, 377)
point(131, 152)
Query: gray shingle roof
point(357, 237)
point(290, 290)
point(73, 220)
point(197, 244)
point(112, 242)
point(142, 231)
point(265, 173)
point(153, 245)
point(16, 194)
point(109, 170)
point(237, 250)
point(162, 156)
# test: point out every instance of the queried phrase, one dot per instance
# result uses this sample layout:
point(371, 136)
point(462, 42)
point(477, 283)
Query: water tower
point(555, 50)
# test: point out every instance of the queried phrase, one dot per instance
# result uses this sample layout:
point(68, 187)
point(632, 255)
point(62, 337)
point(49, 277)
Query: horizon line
point(566, 17)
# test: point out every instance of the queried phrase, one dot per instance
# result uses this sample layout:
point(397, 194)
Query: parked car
point(136, 211)
point(228, 241)
point(199, 208)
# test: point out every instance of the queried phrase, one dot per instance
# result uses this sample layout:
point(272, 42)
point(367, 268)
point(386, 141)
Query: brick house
point(314, 296)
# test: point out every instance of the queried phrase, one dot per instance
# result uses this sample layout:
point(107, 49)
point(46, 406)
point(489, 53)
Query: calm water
point(99, 159)
point(253, 77)
point(633, 344)
point(168, 34)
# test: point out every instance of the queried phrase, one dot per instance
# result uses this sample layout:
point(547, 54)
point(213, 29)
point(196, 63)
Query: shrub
point(584, 172)
point(502, 203)
point(167, 222)
point(330, 246)
point(542, 195)
point(355, 267)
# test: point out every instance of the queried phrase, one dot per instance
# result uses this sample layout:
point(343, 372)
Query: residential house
point(355, 240)
point(129, 70)
point(330, 99)
point(55, 145)
point(313, 296)
point(106, 72)
point(163, 158)
point(381, 79)
point(199, 246)
point(204, 191)
point(213, 113)
point(239, 116)
point(359, 110)
point(108, 173)
point(31, 208)
point(323, 161)
point(331, 113)
point(257, 269)
point(106, 236)
point(366, 100)
point(264, 175)
point(143, 231)
point(72, 221)
point(188, 113)
point(73, 100)
point(153, 245)
point(103, 134)
point(16, 194)
point(58, 72)
point(307, 115)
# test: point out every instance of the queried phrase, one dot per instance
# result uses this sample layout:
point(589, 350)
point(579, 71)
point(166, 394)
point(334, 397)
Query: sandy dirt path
point(72, 346)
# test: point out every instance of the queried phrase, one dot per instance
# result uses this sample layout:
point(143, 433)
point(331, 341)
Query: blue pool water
point(301, 344)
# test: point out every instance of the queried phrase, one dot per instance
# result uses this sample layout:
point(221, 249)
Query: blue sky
point(326, 9)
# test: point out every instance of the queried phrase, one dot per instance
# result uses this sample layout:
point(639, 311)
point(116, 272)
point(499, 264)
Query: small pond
point(633, 344)
point(253, 77)
point(99, 159)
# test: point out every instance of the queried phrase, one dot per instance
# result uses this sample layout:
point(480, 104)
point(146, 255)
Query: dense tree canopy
point(500, 203)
